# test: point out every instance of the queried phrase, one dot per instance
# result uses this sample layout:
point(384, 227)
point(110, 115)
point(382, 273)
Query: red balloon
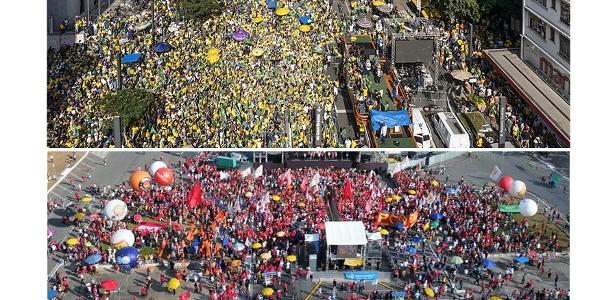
point(505, 183)
point(164, 176)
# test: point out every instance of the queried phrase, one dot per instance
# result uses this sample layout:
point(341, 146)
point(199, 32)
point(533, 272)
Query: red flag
point(185, 295)
point(368, 204)
point(194, 197)
point(348, 190)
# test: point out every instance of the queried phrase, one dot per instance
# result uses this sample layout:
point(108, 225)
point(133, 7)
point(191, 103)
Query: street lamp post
point(153, 22)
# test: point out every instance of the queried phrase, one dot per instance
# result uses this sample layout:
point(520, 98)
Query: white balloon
point(517, 188)
point(528, 207)
point(122, 238)
point(155, 167)
point(116, 210)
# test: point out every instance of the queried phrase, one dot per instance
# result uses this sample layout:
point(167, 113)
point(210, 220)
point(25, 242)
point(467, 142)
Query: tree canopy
point(134, 106)
point(471, 10)
point(200, 9)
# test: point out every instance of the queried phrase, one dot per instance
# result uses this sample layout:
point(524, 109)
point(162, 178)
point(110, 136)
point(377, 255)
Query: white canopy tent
point(345, 234)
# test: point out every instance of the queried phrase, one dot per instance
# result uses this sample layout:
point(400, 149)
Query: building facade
point(60, 10)
point(545, 40)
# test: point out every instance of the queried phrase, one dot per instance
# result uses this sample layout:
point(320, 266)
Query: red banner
point(149, 227)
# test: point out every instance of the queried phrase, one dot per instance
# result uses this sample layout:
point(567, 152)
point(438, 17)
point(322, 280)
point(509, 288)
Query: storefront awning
point(543, 100)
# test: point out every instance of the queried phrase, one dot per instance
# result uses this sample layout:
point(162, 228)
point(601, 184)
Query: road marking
point(312, 292)
point(386, 286)
point(64, 176)
point(63, 199)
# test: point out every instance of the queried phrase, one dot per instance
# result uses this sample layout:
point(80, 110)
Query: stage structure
point(345, 240)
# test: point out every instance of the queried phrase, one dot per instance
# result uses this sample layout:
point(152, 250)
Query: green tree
point(200, 9)
point(472, 10)
point(134, 106)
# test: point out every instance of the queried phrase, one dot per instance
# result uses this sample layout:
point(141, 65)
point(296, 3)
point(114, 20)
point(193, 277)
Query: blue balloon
point(51, 294)
point(127, 257)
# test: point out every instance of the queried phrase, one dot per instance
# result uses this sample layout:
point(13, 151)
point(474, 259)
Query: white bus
point(450, 130)
point(420, 130)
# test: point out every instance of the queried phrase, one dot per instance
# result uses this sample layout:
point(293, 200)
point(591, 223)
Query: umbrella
point(385, 8)
point(434, 224)
point(239, 246)
point(522, 259)
point(411, 250)
point(495, 298)
point(50, 232)
point(72, 242)
point(305, 28)
point(417, 239)
point(257, 245)
point(378, 3)
point(51, 294)
point(213, 51)
point(282, 11)
point(429, 292)
point(236, 263)
point(396, 197)
point(301, 204)
point(109, 285)
point(271, 4)
point(86, 199)
point(138, 218)
point(213, 58)
point(258, 19)
point(436, 216)
point(173, 284)
point(388, 199)
point(267, 291)
point(93, 259)
point(461, 75)
point(412, 192)
point(131, 58)
point(456, 260)
point(162, 47)
point(384, 231)
point(434, 182)
point(79, 215)
point(275, 198)
point(257, 52)
point(399, 226)
point(240, 35)
point(487, 263)
point(195, 265)
point(266, 256)
point(306, 20)
point(291, 258)
point(365, 22)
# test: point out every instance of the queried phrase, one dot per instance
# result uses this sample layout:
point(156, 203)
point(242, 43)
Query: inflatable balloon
point(155, 166)
point(122, 238)
point(528, 207)
point(140, 180)
point(116, 210)
point(505, 183)
point(127, 257)
point(517, 188)
point(164, 176)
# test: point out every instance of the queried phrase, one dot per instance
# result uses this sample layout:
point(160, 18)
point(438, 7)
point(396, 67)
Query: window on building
point(552, 35)
point(537, 25)
point(542, 2)
point(565, 13)
point(554, 4)
point(564, 47)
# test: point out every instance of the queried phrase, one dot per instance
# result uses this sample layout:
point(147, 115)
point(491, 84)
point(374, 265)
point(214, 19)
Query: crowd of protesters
point(275, 210)
point(243, 100)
